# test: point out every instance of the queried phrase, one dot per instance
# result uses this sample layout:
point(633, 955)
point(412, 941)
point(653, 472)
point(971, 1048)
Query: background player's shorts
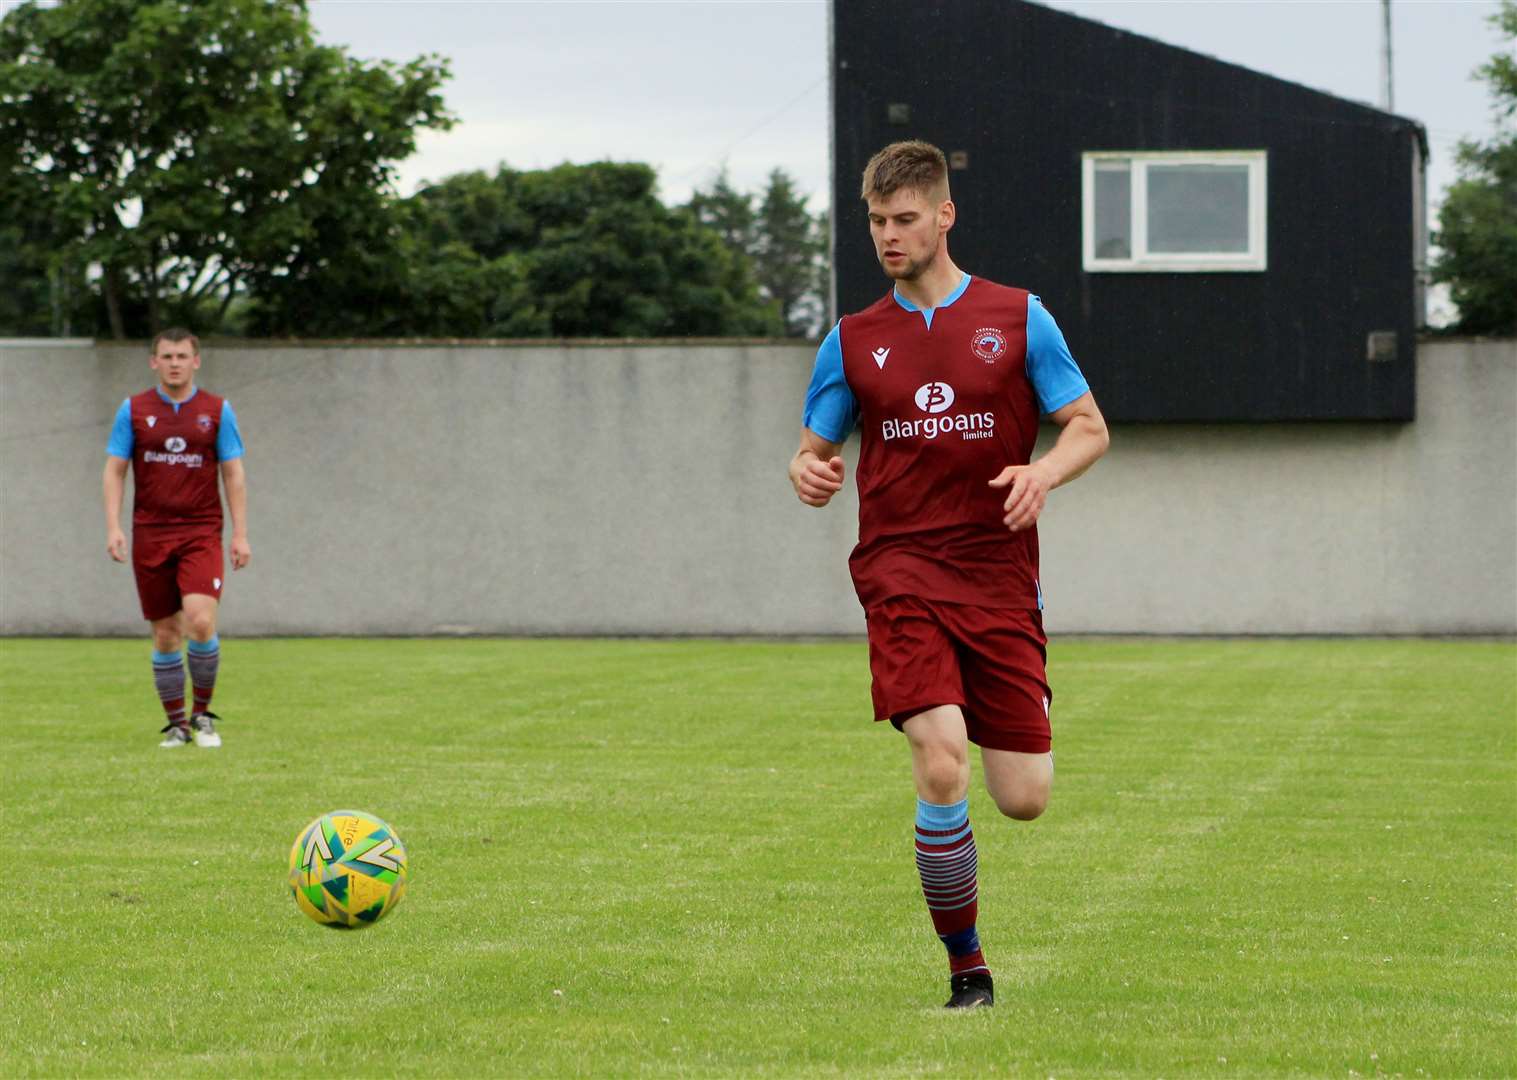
point(990, 661)
point(170, 563)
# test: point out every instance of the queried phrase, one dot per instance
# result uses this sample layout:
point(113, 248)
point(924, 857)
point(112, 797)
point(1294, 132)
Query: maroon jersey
point(942, 409)
point(174, 460)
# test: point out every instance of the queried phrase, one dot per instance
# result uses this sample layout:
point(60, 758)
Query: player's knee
point(202, 627)
point(1023, 805)
point(945, 777)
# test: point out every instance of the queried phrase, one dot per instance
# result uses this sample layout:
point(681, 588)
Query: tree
point(38, 298)
point(785, 243)
point(1478, 222)
point(575, 251)
point(190, 153)
point(821, 286)
point(789, 250)
point(728, 211)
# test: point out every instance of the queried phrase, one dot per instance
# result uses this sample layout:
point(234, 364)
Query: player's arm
point(118, 456)
point(1082, 440)
point(234, 479)
point(1064, 397)
point(816, 471)
point(114, 490)
point(229, 451)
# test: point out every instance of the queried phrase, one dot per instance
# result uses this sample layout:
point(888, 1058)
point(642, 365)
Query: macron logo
point(879, 357)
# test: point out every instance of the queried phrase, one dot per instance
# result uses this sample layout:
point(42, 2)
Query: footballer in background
point(177, 439)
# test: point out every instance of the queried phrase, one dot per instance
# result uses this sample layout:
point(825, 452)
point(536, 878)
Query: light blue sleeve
point(1055, 376)
point(120, 442)
point(228, 438)
point(831, 408)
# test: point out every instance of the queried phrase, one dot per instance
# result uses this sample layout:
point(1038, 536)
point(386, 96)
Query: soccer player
point(945, 379)
point(176, 437)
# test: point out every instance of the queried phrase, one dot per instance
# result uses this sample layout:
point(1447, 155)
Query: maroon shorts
point(170, 563)
point(989, 661)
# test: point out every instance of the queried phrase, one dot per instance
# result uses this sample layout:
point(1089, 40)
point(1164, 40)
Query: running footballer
point(945, 379)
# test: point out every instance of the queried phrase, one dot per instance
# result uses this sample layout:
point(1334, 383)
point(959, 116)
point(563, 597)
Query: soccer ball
point(347, 869)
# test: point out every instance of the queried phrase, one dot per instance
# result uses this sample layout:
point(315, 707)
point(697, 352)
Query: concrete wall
point(641, 490)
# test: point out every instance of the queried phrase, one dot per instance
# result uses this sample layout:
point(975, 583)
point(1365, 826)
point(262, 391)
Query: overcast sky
point(688, 85)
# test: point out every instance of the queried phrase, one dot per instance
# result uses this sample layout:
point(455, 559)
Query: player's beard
point(911, 271)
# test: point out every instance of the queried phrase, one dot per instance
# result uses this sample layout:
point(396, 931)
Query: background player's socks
point(205, 658)
point(168, 677)
point(949, 867)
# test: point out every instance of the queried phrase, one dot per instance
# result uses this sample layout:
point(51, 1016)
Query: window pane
point(1197, 208)
point(1113, 210)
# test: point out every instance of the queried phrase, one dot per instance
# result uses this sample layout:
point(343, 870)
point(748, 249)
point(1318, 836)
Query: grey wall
point(641, 489)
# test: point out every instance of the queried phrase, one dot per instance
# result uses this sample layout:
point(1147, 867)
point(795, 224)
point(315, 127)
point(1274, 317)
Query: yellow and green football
point(347, 869)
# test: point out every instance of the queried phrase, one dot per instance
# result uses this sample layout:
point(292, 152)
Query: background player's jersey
point(943, 399)
point(175, 450)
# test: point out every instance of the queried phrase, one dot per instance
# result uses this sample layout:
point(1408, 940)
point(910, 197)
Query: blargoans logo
point(175, 456)
point(935, 398)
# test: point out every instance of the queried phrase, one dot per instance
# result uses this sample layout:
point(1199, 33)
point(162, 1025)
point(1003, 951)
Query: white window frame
point(1144, 261)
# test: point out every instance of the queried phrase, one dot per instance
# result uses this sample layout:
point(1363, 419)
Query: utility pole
point(1387, 82)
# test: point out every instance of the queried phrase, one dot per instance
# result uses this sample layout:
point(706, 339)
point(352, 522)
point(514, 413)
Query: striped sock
point(168, 677)
point(949, 868)
point(205, 658)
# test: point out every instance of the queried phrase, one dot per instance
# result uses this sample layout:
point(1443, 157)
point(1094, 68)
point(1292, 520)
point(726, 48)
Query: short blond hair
point(914, 164)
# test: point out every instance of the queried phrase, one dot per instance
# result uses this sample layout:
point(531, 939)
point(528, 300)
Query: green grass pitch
point(694, 858)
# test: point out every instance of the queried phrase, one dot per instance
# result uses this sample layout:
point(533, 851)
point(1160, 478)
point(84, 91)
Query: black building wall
point(1025, 90)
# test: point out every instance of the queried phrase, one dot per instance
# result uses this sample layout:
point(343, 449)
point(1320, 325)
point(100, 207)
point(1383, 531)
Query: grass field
point(694, 858)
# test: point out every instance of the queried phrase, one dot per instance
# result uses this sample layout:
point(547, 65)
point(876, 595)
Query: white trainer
point(175, 735)
point(204, 726)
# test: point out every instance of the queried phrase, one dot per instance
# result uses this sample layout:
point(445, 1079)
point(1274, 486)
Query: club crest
point(989, 344)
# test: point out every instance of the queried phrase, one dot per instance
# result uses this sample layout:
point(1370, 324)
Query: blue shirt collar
point(927, 312)
point(170, 401)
